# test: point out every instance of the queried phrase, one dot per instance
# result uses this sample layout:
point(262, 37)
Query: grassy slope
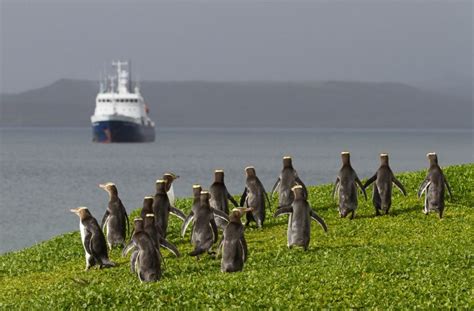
point(403, 260)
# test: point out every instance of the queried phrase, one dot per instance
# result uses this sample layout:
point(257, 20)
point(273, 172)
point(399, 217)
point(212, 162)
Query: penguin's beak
point(242, 211)
point(74, 210)
point(103, 186)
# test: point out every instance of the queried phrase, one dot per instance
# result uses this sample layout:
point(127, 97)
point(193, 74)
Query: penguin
point(93, 239)
point(196, 204)
point(233, 245)
point(383, 178)
point(169, 178)
point(346, 187)
point(204, 233)
point(433, 187)
point(194, 209)
point(288, 178)
point(156, 235)
point(254, 195)
point(147, 261)
point(162, 208)
point(220, 195)
point(299, 220)
point(138, 226)
point(115, 220)
point(147, 206)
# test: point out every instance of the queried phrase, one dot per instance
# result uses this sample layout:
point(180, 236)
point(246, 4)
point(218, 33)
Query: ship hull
point(118, 131)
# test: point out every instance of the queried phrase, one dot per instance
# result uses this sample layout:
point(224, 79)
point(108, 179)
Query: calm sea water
point(45, 172)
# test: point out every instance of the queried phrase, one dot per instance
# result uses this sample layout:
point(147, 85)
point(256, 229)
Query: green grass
point(404, 260)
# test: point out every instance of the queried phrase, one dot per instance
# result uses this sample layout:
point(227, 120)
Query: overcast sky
point(405, 41)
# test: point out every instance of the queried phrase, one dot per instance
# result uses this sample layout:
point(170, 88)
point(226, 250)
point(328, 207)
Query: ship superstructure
point(121, 115)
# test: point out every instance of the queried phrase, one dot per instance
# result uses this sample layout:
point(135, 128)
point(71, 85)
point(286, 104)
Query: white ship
point(121, 115)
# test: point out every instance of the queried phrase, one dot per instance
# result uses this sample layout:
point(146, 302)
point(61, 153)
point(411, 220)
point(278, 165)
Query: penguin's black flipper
point(178, 213)
point(275, 186)
point(245, 250)
point(370, 181)
point(213, 225)
point(318, 219)
point(243, 197)
point(399, 185)
point(361, 186)
point(126, 217)
point(338, 180)
point(448, 187)
point(97, 245)
point(133, 261)
point(128, 248)
point(222, 215)
point(87, 242)
point(169, 246)
point(264, 193)
point(106, 215)
point(231, 198)
point(186, 223)
point(283, 210)
point(423, 186)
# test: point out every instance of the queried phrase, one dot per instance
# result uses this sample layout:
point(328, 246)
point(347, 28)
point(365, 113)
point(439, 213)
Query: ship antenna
point(104, 77)
point(101, 83)
point(130, 75)
point(137, 85)
point(111, 77)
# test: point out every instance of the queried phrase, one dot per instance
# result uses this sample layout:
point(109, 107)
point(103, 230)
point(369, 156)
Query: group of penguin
point(210, 211)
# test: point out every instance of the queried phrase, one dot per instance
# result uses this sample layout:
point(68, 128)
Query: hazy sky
point(42, 41)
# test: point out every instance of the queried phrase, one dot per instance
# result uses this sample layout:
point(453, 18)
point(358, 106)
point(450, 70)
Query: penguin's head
point(160, 186)
point(169, 178)
point(384, 158)
point(237, 213)
point(110, 187)
point(346, 158)
point(287, 162)
point(219, 176)
point(138, 224)
point(197, 190)
point(298, 191)
point(250, 171)
point(81, 211)
point(205, 195)
point(149, 219)
point(433, 157)
point(147, 202)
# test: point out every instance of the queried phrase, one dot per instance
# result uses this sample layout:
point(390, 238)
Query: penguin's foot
point(212, 254)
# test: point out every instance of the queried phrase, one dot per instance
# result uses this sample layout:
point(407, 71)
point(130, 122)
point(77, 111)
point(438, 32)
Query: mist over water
point(47, 171)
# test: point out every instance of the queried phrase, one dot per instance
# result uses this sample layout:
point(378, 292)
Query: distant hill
point(332, 104)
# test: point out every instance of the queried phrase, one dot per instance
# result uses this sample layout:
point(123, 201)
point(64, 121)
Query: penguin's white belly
point(171, 196)
point(82, 229)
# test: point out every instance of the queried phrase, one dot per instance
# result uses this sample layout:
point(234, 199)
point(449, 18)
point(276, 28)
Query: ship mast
point(122, 77)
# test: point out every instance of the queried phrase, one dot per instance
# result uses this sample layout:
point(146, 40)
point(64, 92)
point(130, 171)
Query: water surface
point(47, 171)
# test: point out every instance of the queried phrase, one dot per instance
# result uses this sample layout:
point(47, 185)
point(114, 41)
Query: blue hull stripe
point(122, 131)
